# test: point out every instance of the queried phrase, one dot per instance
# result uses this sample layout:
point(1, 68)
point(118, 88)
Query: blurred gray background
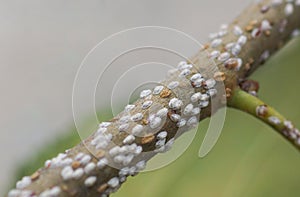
point(42, 44)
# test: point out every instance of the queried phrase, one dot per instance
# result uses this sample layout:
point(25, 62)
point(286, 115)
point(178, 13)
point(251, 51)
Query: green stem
point(246, 102)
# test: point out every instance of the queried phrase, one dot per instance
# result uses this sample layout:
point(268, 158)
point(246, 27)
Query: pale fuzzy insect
point(24, 182)
point(216, 42)
point(53, 192)
point(162, 112)
point(195, 97)
point(274, 120)
point(242, 40)
point(155, 122)
point(146, 104)
point(265, 55)
point(160, 143)
point(264, 8)
point(212, 92)
point(138, 150)
point(101, 130)
point(198, 83)
point(265, 25)
point(196, 77)
point(185, 73)
point(78, 173)
point(214, 54)
point(104, 124)
point(162, 135)
point(128, 108)
point(14, 193)
point(102, 144)
point(181, 64)
point(203, 104)
point(210, 83)
point(98, 138)
point(89, 167)
point(196, 111)
point(119, 158)
point(222, 33)
point(172, 85)
point(79, 156)
point(261, 110)
point(141, 165)
point(224, 56)
point(297, 2)
point(238, 61)
point(288, 124)
point(237, 31)
point(132, 171)
point(192, 121)
point(236, 49)
point(229, 46)
point(122, 180)
point(85, 159)
point(175, 103)
point(124, 171)
point(124, 119)
point(102, 163)
point(129, 139)
point(137, 130)
point(123, 127)
point(204, 97)
point(289, 9)
point(184, 65)
point(145, 93)
point(114, 151)
point(158, 89)
point(90, 181)
point(137, 117)
point(67, 173)
point(276, 3)
point(175, 117)
point(295, 33)
point(188, 109)
point(181, 123)
point(113, 182)
point(256, 33)
point(66, 161)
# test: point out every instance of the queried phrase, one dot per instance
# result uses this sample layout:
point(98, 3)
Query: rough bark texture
point(96, 167)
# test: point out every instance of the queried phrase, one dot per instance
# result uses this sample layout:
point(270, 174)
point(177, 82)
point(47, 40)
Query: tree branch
point(246, 102)
point(122, 146)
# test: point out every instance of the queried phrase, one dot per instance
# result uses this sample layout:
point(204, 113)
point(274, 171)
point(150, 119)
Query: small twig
point(246, 102)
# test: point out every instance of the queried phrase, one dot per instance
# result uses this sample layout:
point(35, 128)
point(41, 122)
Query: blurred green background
point(250, 159)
